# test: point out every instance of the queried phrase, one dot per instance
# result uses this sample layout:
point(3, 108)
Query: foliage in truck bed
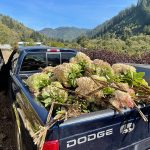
point(84, 85)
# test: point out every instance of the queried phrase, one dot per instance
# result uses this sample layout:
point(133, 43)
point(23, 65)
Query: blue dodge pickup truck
point(101, 130)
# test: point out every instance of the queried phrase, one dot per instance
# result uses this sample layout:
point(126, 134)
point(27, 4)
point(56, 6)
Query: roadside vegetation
point(126, 36)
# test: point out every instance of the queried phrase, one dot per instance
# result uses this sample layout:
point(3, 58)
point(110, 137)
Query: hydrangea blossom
point(67, 74)
point(122, 68)
point(37, 81)
point(54, 92)
point(87, 85)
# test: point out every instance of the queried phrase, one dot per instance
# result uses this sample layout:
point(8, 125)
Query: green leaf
point(108, 91)
point(47, 102)
point(138, 75)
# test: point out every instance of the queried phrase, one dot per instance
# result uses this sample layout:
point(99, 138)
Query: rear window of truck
point(65, 57)
point(36, 61)
point(33, 61)
point(53, 59)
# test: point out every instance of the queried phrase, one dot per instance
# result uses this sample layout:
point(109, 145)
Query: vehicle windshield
point(36, 61)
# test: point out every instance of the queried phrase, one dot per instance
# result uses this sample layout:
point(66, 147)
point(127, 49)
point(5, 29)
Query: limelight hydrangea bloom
point(99, 78)
point(48, 69)
point(101, 63)
point(81, 59)
point(54, 92)
point(87, 85)
point(123, 86)
point(67, 73)
point(99, 67)
point(124, 99)
point(37, 81)
point(123, 68)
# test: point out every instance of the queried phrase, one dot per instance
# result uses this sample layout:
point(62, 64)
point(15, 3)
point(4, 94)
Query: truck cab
point(33, 59)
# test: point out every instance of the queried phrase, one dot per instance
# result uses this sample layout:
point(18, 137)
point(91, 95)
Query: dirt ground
point(6, 55)
point(6, 121)
point(6, 124)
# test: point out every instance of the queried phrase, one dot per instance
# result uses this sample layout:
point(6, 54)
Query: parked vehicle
point(102, 130)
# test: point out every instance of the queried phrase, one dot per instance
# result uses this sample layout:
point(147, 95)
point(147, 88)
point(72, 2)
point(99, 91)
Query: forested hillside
point(64, 33)
point(128, 32)
point(12, 31)
point(129, 22)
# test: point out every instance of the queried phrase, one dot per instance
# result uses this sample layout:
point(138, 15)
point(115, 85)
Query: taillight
point(53, 50)
point(51, 145)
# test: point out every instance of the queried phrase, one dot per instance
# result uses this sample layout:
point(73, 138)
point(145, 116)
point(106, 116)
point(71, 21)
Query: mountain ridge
point(64, 33)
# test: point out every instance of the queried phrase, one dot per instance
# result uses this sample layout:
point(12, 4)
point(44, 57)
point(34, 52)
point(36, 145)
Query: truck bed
point(104, 128)
point(101, 130)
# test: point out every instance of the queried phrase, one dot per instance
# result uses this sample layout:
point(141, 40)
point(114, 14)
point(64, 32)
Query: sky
point(39, 14)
